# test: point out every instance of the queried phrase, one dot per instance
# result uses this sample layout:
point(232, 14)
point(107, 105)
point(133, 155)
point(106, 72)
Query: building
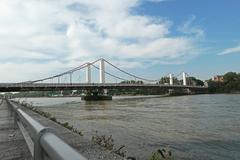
point(217, 78)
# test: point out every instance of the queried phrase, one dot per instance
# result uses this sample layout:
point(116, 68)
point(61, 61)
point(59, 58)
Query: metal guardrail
point(45, 144)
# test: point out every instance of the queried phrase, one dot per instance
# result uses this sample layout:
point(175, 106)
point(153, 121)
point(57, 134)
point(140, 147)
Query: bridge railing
point(83, 84)
point(45, 144)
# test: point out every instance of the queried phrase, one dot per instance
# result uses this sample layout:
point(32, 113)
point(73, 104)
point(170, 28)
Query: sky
point(149, 38)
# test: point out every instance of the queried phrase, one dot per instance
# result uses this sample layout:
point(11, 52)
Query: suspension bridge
point(98, 80)
point(38, 141)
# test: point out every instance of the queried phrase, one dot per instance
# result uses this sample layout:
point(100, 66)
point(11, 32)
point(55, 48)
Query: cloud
point(230, 50)
point(37, 34)
point(188, 28)
point(14, 72)
point(155, 1)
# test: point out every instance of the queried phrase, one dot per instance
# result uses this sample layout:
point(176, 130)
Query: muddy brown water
point(199, 127)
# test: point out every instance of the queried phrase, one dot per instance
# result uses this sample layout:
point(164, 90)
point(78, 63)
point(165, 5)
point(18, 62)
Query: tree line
point(230, 84)
point(193, 81)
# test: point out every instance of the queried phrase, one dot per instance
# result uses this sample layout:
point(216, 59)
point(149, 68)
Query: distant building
point(217, 78)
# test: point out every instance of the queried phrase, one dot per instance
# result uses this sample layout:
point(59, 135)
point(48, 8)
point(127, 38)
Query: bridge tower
point(88, 73)
point(170, 79)
point(101, 71)
point(70, 74)
point(98, 93)
point(184, 79)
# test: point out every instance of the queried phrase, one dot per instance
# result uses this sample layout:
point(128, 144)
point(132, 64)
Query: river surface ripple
point(200, 127)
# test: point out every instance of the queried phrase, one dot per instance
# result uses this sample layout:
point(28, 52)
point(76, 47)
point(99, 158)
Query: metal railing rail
point(46, 144)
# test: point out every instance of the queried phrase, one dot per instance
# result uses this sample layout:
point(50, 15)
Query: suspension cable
point(92, 64)
point(110, 74)
point(178, 74)
point(137, 77)
point(67, 72)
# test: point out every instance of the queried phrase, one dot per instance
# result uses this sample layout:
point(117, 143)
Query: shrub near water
point(162, 154)
point(108, 143)
point(49, 116)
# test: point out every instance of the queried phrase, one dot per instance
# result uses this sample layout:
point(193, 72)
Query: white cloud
point(33, 32)
point(14, 72)
point(187, 28)
point(155, 0)
point(230, 50)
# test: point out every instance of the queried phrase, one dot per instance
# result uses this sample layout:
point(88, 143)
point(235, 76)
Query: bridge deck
point(11, 87)
point(12, 143)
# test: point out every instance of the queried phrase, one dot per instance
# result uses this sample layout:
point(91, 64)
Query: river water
point(199, 127)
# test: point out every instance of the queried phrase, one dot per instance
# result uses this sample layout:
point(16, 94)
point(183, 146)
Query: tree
point(195, 81)
point(231, 83)
point(230, 77)
point(215, 87)
point(164, 80)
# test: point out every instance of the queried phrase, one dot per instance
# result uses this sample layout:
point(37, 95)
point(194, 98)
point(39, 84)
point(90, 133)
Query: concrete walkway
point(12, 143)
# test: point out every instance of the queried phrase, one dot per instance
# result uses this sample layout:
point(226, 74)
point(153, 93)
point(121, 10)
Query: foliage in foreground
point(162, 154)
point(49, 116)
point(108, 143)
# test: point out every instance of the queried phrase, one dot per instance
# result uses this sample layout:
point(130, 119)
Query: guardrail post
point(13, 113)
point(15, 120)
point(38, 150)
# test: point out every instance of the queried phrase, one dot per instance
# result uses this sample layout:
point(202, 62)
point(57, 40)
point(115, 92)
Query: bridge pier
point(179, 92)
point(96, 95)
